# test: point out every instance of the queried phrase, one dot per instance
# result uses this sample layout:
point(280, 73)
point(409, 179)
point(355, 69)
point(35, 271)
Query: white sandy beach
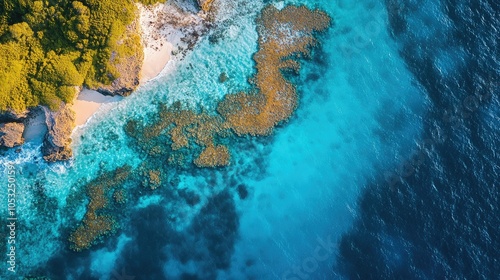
point(164, 26)
point(155, 60)
point(88, 102)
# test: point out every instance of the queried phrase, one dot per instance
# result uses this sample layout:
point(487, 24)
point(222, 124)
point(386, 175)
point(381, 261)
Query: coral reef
point(178, 135)
point(152, 179)
point(213, 156)
point(283, 34)
point(185, 129)
point(119, 196)
point(95, 224)
point(223, 77)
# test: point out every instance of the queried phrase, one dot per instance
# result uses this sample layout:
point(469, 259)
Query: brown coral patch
point(95, 224)
point(213, 156)
point(119, 196)
point(153, 179)
point(185, 128)
point(282, 35)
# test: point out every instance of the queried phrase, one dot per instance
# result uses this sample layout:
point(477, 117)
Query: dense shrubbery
point(151, 2)
point(48, 48)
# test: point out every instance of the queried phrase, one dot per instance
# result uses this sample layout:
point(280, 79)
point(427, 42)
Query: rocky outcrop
point(122, 86)
point(129, 67)
point(11, 116)
point(205, 5)
point(12, 128)
point(11, 134)
point(57, 141)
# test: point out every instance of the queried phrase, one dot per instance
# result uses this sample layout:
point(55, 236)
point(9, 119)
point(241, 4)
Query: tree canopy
point(50, 48)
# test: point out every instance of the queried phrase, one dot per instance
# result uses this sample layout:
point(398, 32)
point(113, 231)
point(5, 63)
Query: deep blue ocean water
point(387, 170)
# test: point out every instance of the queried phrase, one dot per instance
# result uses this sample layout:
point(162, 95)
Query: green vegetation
point(49, 48)
point(151, 2)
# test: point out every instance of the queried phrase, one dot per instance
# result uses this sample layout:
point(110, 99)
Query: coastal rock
point(57, 141)
point(122, 86)
point(12, 128)
point(129, 67)
point(205, 4)
point(12, 116)
point(11, 134)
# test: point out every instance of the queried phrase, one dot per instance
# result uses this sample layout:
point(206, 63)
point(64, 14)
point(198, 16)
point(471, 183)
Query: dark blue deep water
point(438, 215)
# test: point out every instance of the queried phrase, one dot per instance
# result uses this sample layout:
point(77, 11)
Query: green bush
point(50, 48)
point(151, 2)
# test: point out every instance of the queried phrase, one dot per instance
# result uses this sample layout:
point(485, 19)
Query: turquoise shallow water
point(359, 113)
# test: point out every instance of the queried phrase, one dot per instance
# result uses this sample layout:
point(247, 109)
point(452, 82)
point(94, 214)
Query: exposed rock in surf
point(11, 134)
point(57, 141)
point(12, 128)
point(11, 116)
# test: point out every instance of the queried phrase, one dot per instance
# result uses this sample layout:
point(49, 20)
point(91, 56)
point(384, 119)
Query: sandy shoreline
point(155, 61)
point(88, 103)
point(157, 50)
